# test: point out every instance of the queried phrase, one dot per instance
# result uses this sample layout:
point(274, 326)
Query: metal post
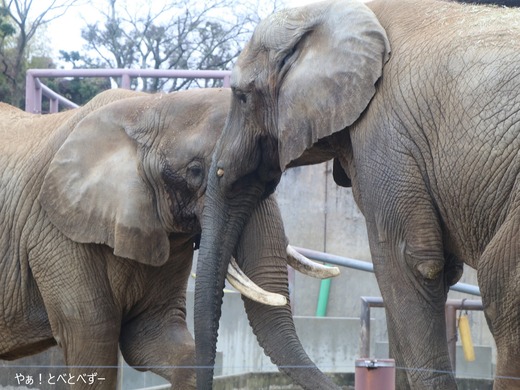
point(226, 81)
point(323, 298)
point(451, 334)
point(54, 105)
point(126, 82)
point(364, 337)
point(29, 92)
point(33, 94)
point(38, 94)
point(451, 323)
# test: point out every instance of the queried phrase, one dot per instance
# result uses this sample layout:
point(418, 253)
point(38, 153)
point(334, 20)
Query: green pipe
point(323, 298)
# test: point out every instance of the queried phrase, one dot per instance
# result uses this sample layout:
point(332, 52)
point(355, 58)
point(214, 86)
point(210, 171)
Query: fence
point(35, 90)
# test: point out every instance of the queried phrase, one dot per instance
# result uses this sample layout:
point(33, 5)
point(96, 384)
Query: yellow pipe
point(465, 338)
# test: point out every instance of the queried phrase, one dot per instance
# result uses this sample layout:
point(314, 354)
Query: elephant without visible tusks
point(100, 209)
point(418, 104)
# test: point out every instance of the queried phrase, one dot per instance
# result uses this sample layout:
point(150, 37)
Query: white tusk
point(220, 172)
point(248, 288)
point(308, 267)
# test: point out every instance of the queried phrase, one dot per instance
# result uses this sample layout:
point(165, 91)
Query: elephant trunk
point(208, 300)
point(265, 264)
point(221, 232)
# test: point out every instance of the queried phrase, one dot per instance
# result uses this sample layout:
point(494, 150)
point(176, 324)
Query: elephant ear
point(332, 57)
point(93, 191)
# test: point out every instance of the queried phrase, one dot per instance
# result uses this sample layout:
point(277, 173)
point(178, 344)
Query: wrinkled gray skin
point(100, 211)
point(427, 136)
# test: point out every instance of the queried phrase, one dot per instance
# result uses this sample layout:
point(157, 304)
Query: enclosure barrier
point(35, 89)
point(452, 305)
point(369, 267)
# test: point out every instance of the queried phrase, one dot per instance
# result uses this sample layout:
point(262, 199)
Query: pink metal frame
point(35, 89)
point(452, 305)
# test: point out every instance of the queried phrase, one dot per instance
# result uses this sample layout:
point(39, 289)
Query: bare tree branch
point(27, 19)
point(181, 34)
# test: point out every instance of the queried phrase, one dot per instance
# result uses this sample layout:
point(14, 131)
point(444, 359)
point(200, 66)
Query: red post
point(375, 374)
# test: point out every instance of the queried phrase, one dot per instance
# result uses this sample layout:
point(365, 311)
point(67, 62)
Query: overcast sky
point(65, 32)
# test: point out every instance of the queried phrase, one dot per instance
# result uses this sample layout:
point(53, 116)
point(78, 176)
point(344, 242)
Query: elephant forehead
point(242, 74)
point(186, 111)
point(195, 140)
point(253, 61)
point(190, 146)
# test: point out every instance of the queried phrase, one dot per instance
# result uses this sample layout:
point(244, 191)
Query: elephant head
point(132, 175)
point(425, 137)
point(306, 74)
point(133, 172)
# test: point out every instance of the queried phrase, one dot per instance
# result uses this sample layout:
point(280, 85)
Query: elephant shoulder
point(111, 95)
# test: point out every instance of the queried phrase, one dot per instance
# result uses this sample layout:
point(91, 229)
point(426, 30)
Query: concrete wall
point(240, 352)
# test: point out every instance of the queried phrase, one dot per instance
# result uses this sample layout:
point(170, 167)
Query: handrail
point(55, 98)
point(35, 89)
point(369, 267)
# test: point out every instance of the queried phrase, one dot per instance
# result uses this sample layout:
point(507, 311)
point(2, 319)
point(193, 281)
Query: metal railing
point(452, 305)
point(35, 90)
point(369, 267)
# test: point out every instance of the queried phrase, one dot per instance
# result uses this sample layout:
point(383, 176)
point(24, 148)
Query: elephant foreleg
point(168, 350)
point(90, 348)
point(84, 318)
point(157, 338)
point(412, 273)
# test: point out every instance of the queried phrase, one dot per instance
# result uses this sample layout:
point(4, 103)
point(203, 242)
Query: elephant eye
point(242, 97)
point(194, 174)
point(194, 169)
point(288, 58)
